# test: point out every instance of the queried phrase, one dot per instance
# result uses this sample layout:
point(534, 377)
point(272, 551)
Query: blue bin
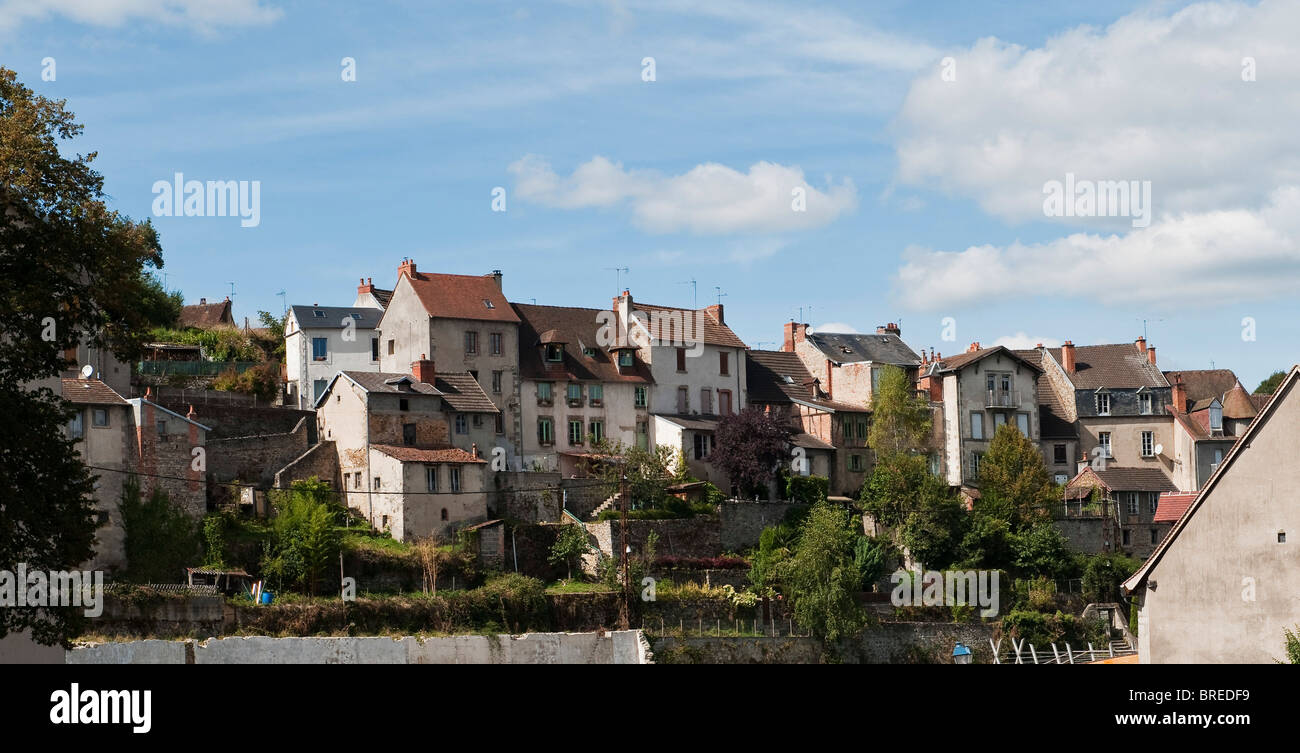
point(266, 597)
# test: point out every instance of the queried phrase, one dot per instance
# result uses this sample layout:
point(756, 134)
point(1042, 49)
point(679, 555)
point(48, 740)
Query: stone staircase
point(606, 505)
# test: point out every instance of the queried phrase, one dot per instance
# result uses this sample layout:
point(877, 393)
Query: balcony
point(1009, 399)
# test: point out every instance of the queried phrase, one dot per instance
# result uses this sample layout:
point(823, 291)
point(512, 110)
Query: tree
point(304, 538)
point(161, 540)
point(1014, 483)
point(894, 487)
point(933, 528)
point(649, 471)
point(1269, 385)
point(823, 576)
point(1103, 574)
point(900, 418)
point(570, 544)
point(71, 270)
point(749, 446)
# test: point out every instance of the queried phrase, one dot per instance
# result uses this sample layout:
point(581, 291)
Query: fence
point(205, 397)
point(193, 368)
point(701, 628)
point(1023, 652)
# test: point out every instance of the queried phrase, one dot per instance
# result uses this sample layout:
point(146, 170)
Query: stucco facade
point(316, 347)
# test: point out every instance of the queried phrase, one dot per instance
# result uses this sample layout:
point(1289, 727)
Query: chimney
point(148, 394)
point(473, 449)
point(973, 347)
point(1067, 357)
point(191, 415)
point(1151, 354)
point(716, 312)
point(889, 329)
point(406, 269)
point(422, 370)
point(795, 333)
point(1141, 344)
point(496, 275)
point(363, 288)
point(203, 301)
point(1179, 394)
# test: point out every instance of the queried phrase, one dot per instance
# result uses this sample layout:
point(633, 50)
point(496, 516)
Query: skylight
point(488, 303)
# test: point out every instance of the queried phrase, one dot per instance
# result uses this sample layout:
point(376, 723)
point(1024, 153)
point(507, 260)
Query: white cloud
point(709, 199)
point(1203, 258)
point(1154, 96)
point(1021, 341)
point(838, 327)
point(201, 15)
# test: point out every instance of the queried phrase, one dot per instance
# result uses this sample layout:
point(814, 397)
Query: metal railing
point(1003, 399)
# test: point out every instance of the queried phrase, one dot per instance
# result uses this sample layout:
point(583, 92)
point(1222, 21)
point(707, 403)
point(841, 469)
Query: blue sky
point(923, 194)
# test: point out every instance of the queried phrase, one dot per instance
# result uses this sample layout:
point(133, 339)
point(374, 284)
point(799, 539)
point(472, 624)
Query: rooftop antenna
point(717, 289)
point(694, 300)
point(284, 301)
point(232, 291)
point(618, 276)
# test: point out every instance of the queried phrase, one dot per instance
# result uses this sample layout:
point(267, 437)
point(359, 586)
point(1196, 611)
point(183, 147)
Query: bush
point(161, 540)
point(304, 538)
point(671, 562)
point(669, 509)
point(807, 489)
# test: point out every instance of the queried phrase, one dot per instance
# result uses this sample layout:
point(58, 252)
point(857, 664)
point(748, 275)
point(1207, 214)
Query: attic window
point(589, 352)
point(357, 317)
point(788, 379)
point(488, 303)
point(846, 349)
point(319, 314)
point(554, 352)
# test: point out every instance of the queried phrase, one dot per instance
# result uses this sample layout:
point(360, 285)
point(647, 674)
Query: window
point(724, 363)
point(99, 416)
point(975, 459)
point(706, 400)
point(1144, 403)
point(496, 382)
point(403, 404)
point(318, 314)
point(683, 399)
point(431, 477)
point(875, 381)
point(471, 343)
point(1022, 423)
point(703, 445)
point(494, 342)
point(1153, 535)
point(1103, 404)
point(1103, 440)
point(319, 348)
point(639, 397)
point(681, 359)
point(1216, 417)
point(575, 431)
point(589, 352)
point(1218, 458)
point(596, 429)
point(443, 515)
point(77, 426)
point(462, 426)
point(1126, 537)
point(390, 346)
point(545, 430)
point(864, 428)
point(543, 393)
point(1132, 503)
point(554, 352)
point(642, 435)
point(596, 393)
point(478, 420)
point(500, 424)
point(855, 463)
point(161, 426)
point(1148, 444)
point(1061, 479)
point(1154, 501)
point(374, 348)
point(385, 520)
point(454, 472)
point(724, 402)
point(376, 486)
point(999, 419)
point(488, 304)
point(408, 434)
point(625, 358)
point(977, 426)
point(575, 394)
point(1058, 454)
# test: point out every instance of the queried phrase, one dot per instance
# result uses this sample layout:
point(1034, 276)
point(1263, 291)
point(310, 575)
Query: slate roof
point(1119, 366)
point(381, 295)
point(1171, 506)
point(418, 455)
point(205, 315)
point(577, 328)
point(90, 392)
point(473, 297)
point(463, 393)
point(333, 317)
point(856, 348)
point(381, 381)
point(765, 373)
point(1052, 421)
point(714, 332)
point(1135, 479)
point(1204, 383)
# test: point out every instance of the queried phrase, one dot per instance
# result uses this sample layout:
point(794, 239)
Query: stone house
point(1125, 501)
point(204, 315)
point(320, 341)
point(1210, 411)
point(849, 366)
point(1221, 587)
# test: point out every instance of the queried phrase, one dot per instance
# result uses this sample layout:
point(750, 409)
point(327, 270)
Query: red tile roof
point(419, 455)
point(661, 321)
point(205, 315)
point(577, 328)
point(461, 297)
point(1172, 505)
point(90, 392)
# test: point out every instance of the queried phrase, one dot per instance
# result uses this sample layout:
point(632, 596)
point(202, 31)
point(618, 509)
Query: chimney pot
point(1141, 344)
point(1151, 354)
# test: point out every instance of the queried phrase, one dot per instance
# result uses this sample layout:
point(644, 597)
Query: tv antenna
point(694, 297)
point(284, 301)
point(717, 289)
point(618, 277)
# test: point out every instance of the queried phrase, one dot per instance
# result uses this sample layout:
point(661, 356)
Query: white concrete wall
point(341, 355)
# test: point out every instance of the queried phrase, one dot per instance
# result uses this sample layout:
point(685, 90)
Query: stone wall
point(258, 457)
point(1089, 534)
point(520, 496)
point(886, 643)
point(680, 537)
point(321, 461)
point(742, 522)
point(241, 420)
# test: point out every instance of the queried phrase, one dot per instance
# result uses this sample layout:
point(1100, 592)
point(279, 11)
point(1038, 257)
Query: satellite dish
point(1159, 449)
point(87, 371)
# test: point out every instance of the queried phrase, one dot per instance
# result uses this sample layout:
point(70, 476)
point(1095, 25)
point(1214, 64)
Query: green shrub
point(807, 489)
point(161, 540)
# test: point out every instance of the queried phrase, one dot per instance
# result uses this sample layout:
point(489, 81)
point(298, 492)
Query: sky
point(844, 164)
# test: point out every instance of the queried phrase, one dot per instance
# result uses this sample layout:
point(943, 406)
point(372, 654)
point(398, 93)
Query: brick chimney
point(191, 415)
point(496, 275)
point(889, 329)
point(1141, 344)
point(406, 269)
point(1151, 354)
point(795, 333)
point(422, 370)
point(716, 312)
point(1067, 357)
point(1179, 394)
point(364, 287)
point(973, 347)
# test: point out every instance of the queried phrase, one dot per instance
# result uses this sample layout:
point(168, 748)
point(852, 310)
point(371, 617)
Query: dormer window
point(1103, 403)
point(488, 304)
point(554, 352)
point(589, 352)
point(625, 358)
point(318, 314)
point(1216, 416)
point(1144, 403)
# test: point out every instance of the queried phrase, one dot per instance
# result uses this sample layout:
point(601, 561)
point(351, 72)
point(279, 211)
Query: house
point(1127, 498)
point(320, 341)
point(1115, 396)
point(1058, 435)
point(697, 365)
point(204, 315)
point(832, 435)
point(849, 366)
point(371, 297)
point(408, 446)
point(1210, 411)
point(979, 391)
point(464, 323)
point(575, 393)
point(1221, 587)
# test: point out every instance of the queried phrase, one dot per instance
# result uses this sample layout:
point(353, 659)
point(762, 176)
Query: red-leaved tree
point(749, 446)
